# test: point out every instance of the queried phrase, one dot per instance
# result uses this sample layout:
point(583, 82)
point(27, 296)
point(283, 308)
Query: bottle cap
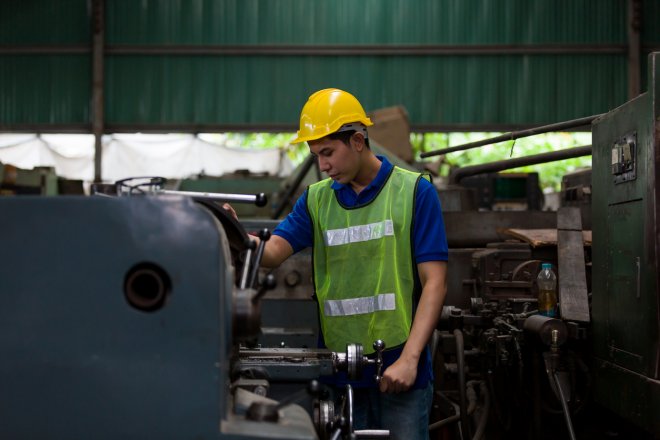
point(546, 266)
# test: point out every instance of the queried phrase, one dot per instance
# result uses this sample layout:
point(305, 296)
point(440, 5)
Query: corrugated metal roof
point(440, 91)
point(436, 91)
point(651, 22)
point(26, 22)
point(365, 22)
point(44, 89)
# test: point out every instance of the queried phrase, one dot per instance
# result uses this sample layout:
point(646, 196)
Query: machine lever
point(264, 236)
point(258, 199)
point(379, 346)
point(245, 272)
point(269, 283)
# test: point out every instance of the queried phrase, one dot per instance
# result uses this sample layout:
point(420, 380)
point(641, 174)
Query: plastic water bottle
point(547, 284)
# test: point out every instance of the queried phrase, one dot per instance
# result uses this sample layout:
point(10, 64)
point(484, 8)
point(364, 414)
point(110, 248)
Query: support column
point(98, 42)
point(634, 47)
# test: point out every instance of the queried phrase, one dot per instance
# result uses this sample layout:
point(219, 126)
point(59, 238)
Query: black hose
point(460, 361)
point(481, 426)
point(444, 422)
point(564, 407)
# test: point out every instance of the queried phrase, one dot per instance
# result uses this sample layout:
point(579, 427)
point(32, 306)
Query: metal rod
point(564, 407)
point(331, 50)
point(255, 262)
point(257, 199)
point(460, 361)
point(245, 272)
point(634, 47)
point(559, 126)
point(457, 175)
point(98, 41)
point(369, 49)
point(485, 412)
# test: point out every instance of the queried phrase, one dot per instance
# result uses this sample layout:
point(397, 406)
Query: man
point(379, 256)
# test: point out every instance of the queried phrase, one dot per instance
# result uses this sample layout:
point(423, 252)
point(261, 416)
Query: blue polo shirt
point(429, 241)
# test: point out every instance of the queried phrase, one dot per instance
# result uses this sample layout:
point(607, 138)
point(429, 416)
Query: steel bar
point(329, 50)
point(360, 50)
point(44, 50)
point(98, 57)
point(564, 407)
point(460, 361)
point(559, 126)
point(257, 199)
point(224, 127)
point(634, 47)
point(457, 175)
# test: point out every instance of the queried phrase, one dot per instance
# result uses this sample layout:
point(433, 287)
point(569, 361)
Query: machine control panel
point(624, 158)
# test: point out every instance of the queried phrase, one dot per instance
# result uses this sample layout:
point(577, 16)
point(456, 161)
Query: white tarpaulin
point(173, 156)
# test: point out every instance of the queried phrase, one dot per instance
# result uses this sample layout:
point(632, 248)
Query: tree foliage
point(550, 174)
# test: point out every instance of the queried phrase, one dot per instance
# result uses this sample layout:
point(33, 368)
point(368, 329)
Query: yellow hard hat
point(326, 111)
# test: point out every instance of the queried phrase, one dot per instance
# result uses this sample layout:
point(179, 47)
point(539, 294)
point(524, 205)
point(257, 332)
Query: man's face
point(340, 161)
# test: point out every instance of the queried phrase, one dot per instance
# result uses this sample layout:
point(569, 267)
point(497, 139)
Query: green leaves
point(550, 174)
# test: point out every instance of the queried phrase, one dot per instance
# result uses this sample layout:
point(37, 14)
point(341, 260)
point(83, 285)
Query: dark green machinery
point(626, 248)
point(38, 181)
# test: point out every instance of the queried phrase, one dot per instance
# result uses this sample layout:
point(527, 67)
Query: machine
point(129, 314)
point(141, 312)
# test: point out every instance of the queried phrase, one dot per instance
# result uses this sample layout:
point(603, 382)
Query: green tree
point(550, 174)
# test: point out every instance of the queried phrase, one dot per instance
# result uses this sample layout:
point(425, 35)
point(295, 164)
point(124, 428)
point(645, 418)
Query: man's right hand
point(228, 207)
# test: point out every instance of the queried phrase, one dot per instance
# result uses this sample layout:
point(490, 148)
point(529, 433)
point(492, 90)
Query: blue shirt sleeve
point(296, 228)
point(429, 227)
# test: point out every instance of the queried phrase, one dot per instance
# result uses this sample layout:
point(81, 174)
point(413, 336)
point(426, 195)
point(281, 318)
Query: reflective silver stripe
point(354, 234)
point(359, 306)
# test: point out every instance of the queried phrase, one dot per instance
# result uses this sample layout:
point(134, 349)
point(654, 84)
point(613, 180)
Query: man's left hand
point(399, 377)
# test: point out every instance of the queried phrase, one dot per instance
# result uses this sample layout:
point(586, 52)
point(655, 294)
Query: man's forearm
point(276, 251)
point(428, 310)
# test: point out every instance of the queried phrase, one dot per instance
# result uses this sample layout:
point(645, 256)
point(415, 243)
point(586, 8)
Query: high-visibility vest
point(364, 273)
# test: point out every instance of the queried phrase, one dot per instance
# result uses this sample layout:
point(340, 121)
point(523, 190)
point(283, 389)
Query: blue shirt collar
point(378, 181)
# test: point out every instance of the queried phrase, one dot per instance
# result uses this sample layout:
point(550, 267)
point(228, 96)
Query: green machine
point(38, 181)
point(626, 252)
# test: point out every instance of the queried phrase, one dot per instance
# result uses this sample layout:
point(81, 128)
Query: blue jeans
point(406, 415)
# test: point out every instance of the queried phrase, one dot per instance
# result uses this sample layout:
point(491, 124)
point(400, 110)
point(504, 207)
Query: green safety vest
point(364, 273)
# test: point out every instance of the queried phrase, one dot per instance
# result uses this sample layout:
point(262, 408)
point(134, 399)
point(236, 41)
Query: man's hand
point(228, 207)
point(400, 376)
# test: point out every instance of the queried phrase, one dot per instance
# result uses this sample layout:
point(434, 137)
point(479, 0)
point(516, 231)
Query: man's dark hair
point(345, 136)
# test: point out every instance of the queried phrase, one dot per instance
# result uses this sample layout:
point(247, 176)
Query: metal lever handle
point(379, 346)
point(258, 199)
point(264, 236)
point(269, 283)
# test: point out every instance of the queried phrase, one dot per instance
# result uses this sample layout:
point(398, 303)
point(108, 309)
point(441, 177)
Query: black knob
point(264, 234)
point(270, 282)
point(261, 200)
point(314, 387)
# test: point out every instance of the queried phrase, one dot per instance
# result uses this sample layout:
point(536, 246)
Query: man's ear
point(358, 141)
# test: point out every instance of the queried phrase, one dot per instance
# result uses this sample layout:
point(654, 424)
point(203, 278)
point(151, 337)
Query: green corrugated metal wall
point(257, 91)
